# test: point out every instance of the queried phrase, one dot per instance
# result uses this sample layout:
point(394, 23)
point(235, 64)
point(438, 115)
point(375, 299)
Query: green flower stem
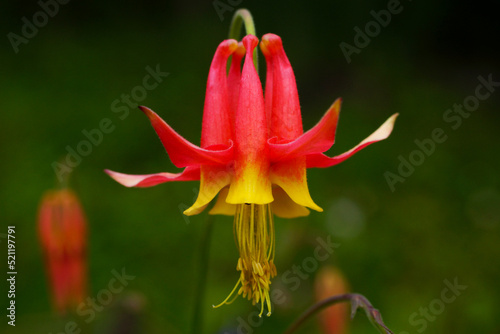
point(357, 301)
point(243, 16)
point(197, 323)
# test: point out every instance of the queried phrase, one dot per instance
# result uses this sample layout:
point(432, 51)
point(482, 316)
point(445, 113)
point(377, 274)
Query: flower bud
point(63, 236)
point(328, 283)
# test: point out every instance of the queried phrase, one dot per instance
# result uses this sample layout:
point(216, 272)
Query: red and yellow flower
point(62, 230)
point(253, 154)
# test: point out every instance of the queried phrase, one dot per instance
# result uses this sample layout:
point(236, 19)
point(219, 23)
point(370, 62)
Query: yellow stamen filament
point(254, 236)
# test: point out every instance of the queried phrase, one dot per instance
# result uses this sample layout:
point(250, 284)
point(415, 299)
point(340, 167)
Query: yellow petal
point(212, 180)
point(221, 207)
point(291, 177)
point(284, 207)
point(251, 184)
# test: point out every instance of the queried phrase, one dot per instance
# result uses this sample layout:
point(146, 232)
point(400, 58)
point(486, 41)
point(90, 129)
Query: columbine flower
point(253, 154)
point(62, 231)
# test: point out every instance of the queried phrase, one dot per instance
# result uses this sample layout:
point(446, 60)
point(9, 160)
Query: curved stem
point(356, 300)
point(197, 322)
point(243, 16)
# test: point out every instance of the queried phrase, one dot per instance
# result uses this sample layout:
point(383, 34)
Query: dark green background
point(397, 248)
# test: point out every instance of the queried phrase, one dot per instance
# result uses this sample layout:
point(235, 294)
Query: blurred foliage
point(396, 248)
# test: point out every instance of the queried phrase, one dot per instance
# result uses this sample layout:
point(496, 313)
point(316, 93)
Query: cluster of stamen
point(254, 234)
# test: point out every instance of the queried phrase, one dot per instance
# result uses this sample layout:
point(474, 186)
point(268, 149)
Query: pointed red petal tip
point(183, 153)
point(271, 44)
point(316, 140)
point(147, 111)
point(150, 113)
point(250, 42)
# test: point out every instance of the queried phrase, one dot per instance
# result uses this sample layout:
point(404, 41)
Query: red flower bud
point(328, 283)
point(63, 236)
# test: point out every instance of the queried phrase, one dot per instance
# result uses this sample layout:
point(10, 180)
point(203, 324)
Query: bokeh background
point(396, 246)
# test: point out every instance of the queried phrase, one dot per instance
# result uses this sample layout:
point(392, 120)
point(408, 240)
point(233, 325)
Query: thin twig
point(356, 300)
